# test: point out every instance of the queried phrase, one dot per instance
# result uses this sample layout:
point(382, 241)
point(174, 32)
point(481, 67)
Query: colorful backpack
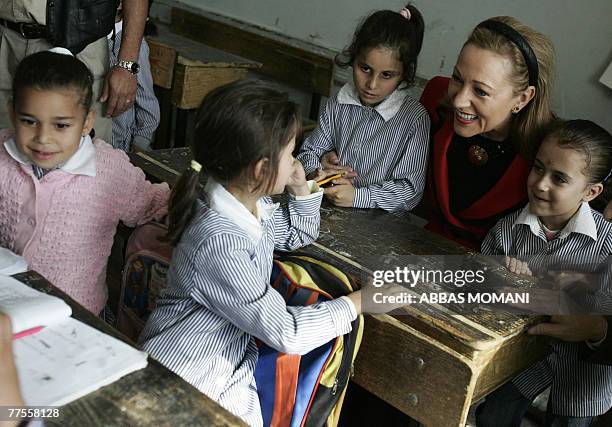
point(294, 390)
point(144, 275)
point(307, 390)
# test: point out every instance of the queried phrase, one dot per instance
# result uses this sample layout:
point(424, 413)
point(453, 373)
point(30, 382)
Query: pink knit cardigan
point(72, 240)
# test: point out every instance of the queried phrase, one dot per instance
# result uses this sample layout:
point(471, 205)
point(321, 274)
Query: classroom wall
point(580, 30)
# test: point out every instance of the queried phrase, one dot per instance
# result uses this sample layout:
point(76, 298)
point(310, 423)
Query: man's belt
point(27, 30)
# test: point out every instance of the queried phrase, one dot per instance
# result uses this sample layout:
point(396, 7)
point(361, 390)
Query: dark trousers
point(506, 407)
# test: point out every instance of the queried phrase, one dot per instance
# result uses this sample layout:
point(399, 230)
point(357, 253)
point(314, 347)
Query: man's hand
point(119, 91)
point(120, 85)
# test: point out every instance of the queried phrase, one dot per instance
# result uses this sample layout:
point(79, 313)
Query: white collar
point(82, 162)
point(582, 222)
point(225, 204)
point(118, 29)
point(387, 109)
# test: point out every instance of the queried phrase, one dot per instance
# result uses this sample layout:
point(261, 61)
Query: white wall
point(580, 29)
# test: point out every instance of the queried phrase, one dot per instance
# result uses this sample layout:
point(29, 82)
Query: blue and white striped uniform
point(219, 299)
point(386, 145)
point(579, 388)
point(137, 124)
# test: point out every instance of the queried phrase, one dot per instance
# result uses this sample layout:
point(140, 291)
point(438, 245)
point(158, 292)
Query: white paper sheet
point(11, 263)
point(29, 308)
point(71, 359)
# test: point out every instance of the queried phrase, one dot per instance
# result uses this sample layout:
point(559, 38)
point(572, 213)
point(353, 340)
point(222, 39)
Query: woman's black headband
point(515, 37)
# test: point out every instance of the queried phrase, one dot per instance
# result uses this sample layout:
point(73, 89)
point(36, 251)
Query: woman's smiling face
point(482, 95)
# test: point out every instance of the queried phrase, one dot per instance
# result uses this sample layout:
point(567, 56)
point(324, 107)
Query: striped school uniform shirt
point(386, 145)
point(137, 124)
point(219, 300)
point(578, 388)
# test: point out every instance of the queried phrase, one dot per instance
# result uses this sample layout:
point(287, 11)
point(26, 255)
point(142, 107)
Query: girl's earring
point(516, 109)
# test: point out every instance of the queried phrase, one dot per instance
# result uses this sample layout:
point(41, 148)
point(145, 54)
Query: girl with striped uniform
point(375, 134)
point(218, 299)
point(558, 230)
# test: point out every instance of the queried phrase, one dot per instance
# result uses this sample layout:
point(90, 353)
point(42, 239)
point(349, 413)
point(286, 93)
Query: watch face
point(135, 68)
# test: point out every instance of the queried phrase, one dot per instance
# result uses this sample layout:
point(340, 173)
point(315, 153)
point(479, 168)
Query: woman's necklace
point(480, 154)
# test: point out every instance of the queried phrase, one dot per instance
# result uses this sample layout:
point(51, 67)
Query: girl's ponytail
point(182, 203)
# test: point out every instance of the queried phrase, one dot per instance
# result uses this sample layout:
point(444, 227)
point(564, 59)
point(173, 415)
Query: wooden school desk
point(432, 364)
point(153, 396)
point(184, 71)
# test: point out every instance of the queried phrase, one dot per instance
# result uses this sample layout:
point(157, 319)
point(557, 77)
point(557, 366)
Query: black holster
point(74, 24)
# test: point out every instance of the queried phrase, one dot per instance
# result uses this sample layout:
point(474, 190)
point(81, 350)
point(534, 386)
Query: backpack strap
point(285, 390)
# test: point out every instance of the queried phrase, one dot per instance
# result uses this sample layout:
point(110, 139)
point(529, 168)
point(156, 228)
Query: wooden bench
point(432, 362)
point(286, 59)
point(184, 71)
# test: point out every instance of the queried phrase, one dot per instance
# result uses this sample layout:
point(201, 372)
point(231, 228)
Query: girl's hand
point(297, 181)
point(564, 280)
point(608, 211)
point(10, 395)
point(330, 162)
point(384, 302)
point(573, 328)
point(517, 266)
point(341, 193)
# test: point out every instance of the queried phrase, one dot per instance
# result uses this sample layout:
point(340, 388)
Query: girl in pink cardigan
point(62, 194)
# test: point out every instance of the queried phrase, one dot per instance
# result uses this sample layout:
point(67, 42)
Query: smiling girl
point(377, 133)
point(558, 230)
point(62, 194)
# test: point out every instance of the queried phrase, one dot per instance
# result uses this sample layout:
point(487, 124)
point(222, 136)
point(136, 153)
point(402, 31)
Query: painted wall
point(580, 30)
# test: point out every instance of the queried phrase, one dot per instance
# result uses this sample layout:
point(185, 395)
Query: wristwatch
point(132, 67)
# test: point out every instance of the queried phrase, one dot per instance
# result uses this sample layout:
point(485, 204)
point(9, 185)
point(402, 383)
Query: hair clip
point(607, 177)
point(196, 166)
point(61, 51)
point(405, 12)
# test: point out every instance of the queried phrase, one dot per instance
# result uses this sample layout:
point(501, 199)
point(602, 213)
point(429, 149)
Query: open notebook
point(67, 359)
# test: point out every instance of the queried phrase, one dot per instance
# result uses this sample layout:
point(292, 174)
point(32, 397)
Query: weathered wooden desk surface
point(431, 364)
point(153, 396)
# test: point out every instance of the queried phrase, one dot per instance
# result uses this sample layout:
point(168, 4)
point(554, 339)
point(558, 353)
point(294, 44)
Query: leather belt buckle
point(22, 30)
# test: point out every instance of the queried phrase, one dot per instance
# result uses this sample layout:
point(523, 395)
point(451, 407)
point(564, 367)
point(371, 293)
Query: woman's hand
point(573, 328)
point(297, 184)
point(341, 193)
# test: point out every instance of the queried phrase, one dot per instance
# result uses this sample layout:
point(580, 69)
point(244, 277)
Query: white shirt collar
point(387, 109)
point(118, 29)
point(82, 162)
point(582, 222)
point(225, 204)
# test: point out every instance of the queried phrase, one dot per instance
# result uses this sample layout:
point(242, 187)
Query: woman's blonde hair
point(529, 124)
